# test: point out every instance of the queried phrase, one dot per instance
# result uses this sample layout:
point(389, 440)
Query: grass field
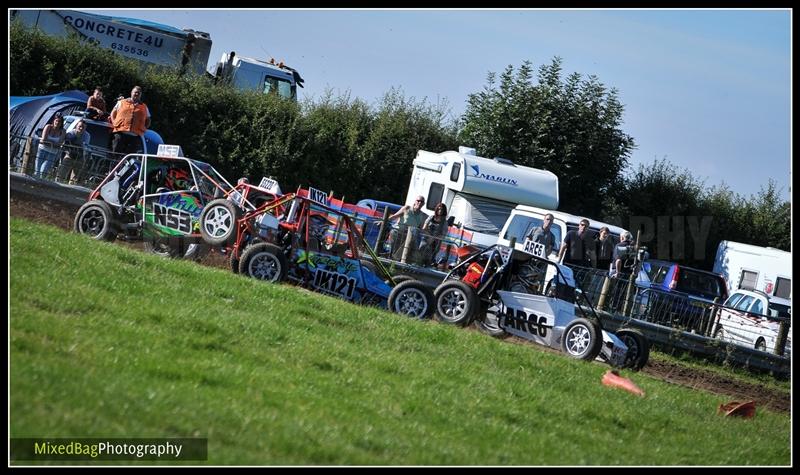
point(109, 342)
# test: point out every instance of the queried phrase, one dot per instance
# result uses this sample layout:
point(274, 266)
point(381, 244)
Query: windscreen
point(481, 214)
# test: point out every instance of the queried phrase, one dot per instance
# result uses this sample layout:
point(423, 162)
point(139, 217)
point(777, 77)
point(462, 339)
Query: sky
point(708, 90)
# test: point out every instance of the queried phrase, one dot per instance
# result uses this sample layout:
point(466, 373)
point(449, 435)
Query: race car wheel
point(582, 339)
point(263, 261)
point(489, 324)
point(456, 302)
point(95, 219)
point(162, 247)
point(218, 222)
point(638, 348)
point(234, 263)
point(399, 279)
point(411, 298)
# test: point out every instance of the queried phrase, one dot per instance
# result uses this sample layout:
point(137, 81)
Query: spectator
point(543, 235)
point(411, 217)
point(434, 229)
point(578, 244)
point(623, 268)
point(130, 119)
point(73, 164)
point(96, 105)
point(50, 145)
point(604, 249)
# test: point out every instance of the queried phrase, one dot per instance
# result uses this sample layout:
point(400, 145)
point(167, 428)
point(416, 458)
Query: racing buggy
point(157, 198)
point(300, 238)
point(509, 291)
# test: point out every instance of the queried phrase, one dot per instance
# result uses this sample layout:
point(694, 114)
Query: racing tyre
point(411, 298)
point(638, 348)
point(162, 247)
point(234, 263)
point(399, 279)
point(218, 222)
point(490, 325)
point(95, 219)
point(582, 339)
point(263, 261)
point(456, 302)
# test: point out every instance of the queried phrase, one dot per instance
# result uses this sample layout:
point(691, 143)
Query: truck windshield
point(279, 86)
point(481, 214)
point(521, 226)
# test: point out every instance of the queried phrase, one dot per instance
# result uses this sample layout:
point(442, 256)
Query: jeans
point(45, 159)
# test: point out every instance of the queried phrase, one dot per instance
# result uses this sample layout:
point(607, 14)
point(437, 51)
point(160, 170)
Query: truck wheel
point(218, 222)
point(582, 339)
point(456, 302)
point(411, 298)
point(95, 219)
point(263, 261)
point(761, 345)
point(638, 348)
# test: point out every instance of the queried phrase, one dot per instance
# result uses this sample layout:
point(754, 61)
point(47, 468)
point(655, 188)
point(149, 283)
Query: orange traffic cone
point(614, 380)
point(741, 409)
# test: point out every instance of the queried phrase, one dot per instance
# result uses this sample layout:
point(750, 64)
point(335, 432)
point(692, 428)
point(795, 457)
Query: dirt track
point(61, 215)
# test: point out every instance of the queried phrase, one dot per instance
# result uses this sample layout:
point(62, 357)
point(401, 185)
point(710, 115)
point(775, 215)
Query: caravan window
point(749, 279)
point(480, 214)
point(783, 288)
point(455, 172)
point(521, 226)
point(434, 196)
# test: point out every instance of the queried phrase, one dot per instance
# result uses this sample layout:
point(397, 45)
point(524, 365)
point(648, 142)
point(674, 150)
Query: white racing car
point(509, 291)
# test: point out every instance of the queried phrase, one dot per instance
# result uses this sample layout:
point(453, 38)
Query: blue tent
point(29, 115)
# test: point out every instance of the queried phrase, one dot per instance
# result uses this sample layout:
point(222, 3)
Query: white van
point(480, 193)
point(524, 219)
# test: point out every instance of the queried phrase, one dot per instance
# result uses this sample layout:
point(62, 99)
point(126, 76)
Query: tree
point(569, 127)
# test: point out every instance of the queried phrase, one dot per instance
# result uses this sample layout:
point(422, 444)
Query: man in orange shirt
point(130, 119)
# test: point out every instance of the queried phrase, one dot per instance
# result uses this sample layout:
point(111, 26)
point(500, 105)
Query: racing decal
point(522, 321)
point(317, 196)
point(334, 283)
point(188, 203)
point(269, 184)
point(173, 218)
point(315, 260)
point(534, 248)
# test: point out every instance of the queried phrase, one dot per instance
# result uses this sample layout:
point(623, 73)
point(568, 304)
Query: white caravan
point(749, 267)
point(480, 193)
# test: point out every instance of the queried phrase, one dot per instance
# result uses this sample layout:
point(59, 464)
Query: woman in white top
point(50, 145)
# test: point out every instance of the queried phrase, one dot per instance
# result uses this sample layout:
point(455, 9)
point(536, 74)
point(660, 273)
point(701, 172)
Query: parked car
point(752, 318)
point(677, 295)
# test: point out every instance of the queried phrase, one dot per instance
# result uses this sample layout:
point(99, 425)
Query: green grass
point(109, 342)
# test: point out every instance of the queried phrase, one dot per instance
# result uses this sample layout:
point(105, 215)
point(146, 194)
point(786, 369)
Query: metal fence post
point(382, 231)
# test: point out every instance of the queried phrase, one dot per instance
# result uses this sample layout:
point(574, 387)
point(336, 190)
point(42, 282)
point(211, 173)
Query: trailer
point(749, 267)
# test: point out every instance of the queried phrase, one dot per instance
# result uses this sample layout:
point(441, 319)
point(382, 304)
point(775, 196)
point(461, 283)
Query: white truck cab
point(524, 219)
point(248, 74)
point(480, 193)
